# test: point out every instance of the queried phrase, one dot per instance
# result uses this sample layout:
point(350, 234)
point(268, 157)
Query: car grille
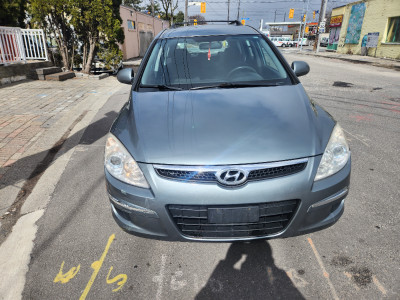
point(256, 173)
point(276, 172)
point(193, 220)
point(187, 175)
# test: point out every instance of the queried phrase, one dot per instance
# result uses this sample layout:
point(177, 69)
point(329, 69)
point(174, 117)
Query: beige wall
point(338, 11)
point(143, 23)
point(377, 14)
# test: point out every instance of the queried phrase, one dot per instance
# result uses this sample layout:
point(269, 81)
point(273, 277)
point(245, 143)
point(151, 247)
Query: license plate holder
point(248, 214)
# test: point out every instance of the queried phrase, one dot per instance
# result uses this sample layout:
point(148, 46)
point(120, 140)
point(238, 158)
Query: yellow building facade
point(370, 17)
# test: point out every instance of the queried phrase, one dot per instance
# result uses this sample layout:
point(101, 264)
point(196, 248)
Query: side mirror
point(125, 76)
point(300, 68)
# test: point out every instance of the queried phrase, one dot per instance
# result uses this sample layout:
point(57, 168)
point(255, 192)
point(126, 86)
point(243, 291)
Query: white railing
point(19, 45)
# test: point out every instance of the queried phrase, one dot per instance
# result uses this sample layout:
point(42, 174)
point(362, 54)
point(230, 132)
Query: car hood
point(223, 126)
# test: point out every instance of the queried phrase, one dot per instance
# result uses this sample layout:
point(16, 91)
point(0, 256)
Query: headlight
point(336, 154)
point(121, 165)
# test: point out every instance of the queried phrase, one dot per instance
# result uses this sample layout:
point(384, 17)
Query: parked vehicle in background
point(278, 41)
point(288, 42)
point(300, 42)
point(282, 41)
point(324, 42)
point(266, 32)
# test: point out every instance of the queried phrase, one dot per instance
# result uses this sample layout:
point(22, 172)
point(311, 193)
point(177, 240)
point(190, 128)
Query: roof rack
point(191, 22)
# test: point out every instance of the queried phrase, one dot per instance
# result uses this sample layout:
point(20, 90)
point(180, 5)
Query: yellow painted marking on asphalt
point(324, 272)
point(65, 277)
point(96, 266)
point(379, 285)
point(121, 277)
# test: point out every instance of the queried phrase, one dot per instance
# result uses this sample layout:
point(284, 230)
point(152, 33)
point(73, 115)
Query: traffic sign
point(322, 24)
point(372, 39)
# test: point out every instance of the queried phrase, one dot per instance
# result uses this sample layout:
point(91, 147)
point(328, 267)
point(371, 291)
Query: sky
point(256, 10)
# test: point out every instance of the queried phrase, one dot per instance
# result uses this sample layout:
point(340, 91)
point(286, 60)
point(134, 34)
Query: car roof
point(207, 30)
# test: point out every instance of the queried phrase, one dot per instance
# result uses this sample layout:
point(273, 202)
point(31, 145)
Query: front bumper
point(144, 212)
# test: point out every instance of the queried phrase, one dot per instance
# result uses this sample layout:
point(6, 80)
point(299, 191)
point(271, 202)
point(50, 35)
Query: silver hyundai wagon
point(220, 142)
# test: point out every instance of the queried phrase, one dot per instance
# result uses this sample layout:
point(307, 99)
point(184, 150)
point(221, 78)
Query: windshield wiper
point(160, 87)
point(233, 85)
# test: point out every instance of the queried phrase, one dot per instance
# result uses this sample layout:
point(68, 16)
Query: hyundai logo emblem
point(232, 176)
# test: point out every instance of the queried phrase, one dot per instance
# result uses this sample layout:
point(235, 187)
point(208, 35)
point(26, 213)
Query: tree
point(54, 15)
point(180, 17)
point(169, 7)
point(94, 20)
point(12, 13)
point(133, 3)
point(88, 21)
point(157, 8)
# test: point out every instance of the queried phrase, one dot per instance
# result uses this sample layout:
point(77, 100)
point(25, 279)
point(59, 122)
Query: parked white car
point(303, 42)
point(278, 41)
point(282, 41)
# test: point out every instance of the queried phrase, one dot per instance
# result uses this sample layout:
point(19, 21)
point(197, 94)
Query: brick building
point(139, 29)
point(353, 22)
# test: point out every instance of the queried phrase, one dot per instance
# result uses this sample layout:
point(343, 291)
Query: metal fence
point(19, 45)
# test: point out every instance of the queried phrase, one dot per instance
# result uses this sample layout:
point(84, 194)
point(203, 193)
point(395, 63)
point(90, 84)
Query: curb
point(355, 61)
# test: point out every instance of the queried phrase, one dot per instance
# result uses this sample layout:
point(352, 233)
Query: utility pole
point(284, 17)
point(300, 29)
point(237, 18)
point(228, 7)
point(275, 16)
point(321, 18)
point(152, 8)
point(305, 25)
point(186, 11)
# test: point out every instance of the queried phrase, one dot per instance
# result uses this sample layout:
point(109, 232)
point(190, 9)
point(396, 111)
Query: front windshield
point(191, 62)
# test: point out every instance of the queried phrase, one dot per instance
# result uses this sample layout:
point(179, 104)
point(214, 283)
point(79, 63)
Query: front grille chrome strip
point(250, 167)
point(212, 174)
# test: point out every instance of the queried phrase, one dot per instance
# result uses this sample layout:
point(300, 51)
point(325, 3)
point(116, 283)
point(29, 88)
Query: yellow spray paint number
point(65, 277)
point(121, 277)
point(96, 266)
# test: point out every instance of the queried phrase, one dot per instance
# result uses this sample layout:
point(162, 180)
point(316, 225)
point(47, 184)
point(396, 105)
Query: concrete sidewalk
point(35, 119)
point(357, 59)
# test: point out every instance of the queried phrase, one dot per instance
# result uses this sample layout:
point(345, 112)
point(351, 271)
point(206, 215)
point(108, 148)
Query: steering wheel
point(241, 68)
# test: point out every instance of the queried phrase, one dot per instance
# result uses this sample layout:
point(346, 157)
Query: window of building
point(393, 34)
point(131, 25)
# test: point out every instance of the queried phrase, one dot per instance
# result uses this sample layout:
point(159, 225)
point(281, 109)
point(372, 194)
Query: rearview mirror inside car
point(212, 45)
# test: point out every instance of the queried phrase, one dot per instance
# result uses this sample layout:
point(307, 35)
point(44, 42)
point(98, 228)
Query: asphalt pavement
point(80, 252)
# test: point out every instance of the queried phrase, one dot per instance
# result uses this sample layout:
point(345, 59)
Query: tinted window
point(202, 61)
